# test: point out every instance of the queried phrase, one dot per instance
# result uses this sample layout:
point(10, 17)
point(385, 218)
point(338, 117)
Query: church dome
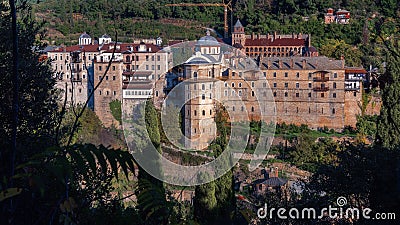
point(208, 40)
point(85, 35)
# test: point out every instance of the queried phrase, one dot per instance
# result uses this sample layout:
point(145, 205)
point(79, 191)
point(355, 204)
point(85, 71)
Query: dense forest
point(49, 174)
point(356, 41)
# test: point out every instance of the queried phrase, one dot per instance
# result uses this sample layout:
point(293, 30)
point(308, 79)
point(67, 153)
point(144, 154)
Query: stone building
point(271, 45)
point(201, 71)
point(341, 16)
point(79, 68)
point(315, 91)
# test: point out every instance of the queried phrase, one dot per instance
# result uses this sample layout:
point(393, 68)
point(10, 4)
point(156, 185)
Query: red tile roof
point(277, 42)
point(355, 70)
point(106, 48)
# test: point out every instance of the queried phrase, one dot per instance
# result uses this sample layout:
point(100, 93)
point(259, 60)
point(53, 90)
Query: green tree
point(388, 127)
point(152, 204)
point(205, 202)
point(115, 107)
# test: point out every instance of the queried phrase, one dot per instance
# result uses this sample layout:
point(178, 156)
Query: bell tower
point(238, 35)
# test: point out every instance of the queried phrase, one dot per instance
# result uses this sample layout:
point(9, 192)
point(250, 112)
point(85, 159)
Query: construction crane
point(227, 6)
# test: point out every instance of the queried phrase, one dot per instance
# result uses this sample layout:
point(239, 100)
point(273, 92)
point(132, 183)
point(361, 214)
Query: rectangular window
point(334, 95)
point(286, 94)
point(100, 68)
point(106, 77)
point(158, 67)
point(297, 74)
point(334, 85)
point(113, 68)
point(114, 77)
point(274, 74)
point(99, 77)
point(309, 75)
point(158, 58)
point(297, 85)
point(286, 74)
point(274, 94)
point(147, 67)
point(309, 95)
point(309, 85)
point(152, 67)
point(286, 85)
point(152, 58)
point(265, 74)
point(275, 85)
point(334, 75)
point(322, 95)
point(147, 58)
point(297, 95)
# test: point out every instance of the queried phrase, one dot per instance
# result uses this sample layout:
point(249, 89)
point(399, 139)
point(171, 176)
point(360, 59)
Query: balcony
point(223, 78)
point(321, 79)
point(321, 89)
point(352, 89)
point(76, 60)
point(76, 79)
point(75, 70)
point(251, 78)
point(128, 72)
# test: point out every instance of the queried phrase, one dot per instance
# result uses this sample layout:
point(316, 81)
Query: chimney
point(258, 36)
point(291, 63)
point(343, 62)
point(280, 64)
point(304, 63)
point(274, 35)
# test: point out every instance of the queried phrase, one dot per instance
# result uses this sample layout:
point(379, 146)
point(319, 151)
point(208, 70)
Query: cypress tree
point(388, 127)
point(152, 202)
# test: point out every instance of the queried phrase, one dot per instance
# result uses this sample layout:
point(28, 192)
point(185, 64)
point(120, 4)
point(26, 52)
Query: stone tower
point(238, 35)
point(201, 71)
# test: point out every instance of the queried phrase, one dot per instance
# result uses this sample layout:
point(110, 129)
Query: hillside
point(65, 20)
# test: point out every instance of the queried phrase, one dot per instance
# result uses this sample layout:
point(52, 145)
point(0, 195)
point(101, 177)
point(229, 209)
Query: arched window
point(252, 109)
point(204, 112)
